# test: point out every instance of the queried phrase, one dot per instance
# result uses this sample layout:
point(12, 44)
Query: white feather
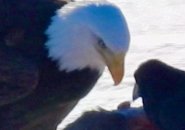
point(77, 27)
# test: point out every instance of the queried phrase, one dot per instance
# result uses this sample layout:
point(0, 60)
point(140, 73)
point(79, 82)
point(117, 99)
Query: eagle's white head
point(89, 34)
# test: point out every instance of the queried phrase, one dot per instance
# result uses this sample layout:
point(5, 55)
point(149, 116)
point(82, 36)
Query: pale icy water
point(157, 30)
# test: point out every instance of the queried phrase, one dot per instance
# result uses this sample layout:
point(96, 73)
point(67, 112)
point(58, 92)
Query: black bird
point(51, 55)
point(162, 88)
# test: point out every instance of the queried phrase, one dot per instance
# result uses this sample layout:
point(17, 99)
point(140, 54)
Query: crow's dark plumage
point(51, 55)
point(162, 88)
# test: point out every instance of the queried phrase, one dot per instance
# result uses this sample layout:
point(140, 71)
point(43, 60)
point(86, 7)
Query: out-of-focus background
point(157, 30)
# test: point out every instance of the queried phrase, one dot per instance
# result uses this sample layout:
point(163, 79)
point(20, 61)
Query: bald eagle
point(52, 53)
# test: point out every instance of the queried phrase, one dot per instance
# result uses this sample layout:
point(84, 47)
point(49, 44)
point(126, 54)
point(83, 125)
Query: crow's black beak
point(135, 93)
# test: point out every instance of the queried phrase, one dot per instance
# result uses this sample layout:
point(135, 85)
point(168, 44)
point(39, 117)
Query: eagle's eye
point(102, 44)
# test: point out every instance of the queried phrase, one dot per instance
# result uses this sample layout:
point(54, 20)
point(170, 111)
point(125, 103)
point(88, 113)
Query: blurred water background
point(157, 30)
